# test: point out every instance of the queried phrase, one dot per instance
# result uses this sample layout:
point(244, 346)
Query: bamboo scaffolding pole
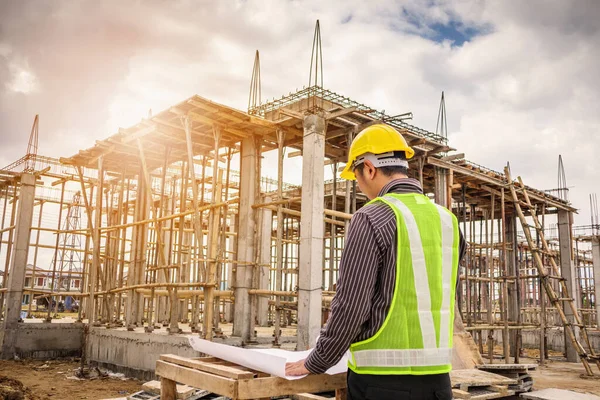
point(505, 333)
point(9, 247)
point(222, 267)
point(183, 253)
point(174, 323)
point(197, 213)
point(332, 239)
point(35, 256)
point(491, 289)
point(279, 241)
point(277, 202)
point(124, 207)
point(215, 219)
point(54, 260)
point(10, 228)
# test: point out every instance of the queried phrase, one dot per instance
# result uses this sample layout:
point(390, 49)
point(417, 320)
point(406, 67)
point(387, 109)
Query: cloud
point(521, 81)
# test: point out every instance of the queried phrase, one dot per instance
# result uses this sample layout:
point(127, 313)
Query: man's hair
point(389, 170)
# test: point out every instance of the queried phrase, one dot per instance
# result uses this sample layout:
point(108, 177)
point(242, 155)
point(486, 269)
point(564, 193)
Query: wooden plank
point(498, 388)
point(472, 377)
point(265, 387)
point(500, 367)
point(198, 379)
point(221, 370)
point(308, 396)
point(168, 389)
point(460, 394)
point(341, 394)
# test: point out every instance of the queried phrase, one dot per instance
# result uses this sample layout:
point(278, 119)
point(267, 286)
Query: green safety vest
point(416, 336)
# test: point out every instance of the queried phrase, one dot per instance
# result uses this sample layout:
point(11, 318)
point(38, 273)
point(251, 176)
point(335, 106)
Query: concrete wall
point(133, 353)
point(43, 341)
point(555, 339)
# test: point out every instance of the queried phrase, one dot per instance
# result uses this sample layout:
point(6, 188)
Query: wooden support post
point(266, 228)
point(213, 243)
point(505, 332)
point(163, 262)
point(91, 312)
point(232, 255)
point(491, 286)
point(35, 256)
point(196, 216)
point(279, 240)
point(54, 287)
point(168, 389)
point(311, 232)
point(9, 245)
point(332, 232)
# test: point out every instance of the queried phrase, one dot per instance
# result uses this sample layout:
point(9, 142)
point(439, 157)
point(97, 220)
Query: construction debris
point(475, 384)
point(519, 372)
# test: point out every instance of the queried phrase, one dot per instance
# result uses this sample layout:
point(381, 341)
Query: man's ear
point(370, 169)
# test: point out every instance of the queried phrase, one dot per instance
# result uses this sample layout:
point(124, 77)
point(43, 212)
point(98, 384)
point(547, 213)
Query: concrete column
point(262, 312)
point(310, 277)
point(511, 266)
point(596, 262)
point(246, 240)
point(18, 264)
point(567, 271)
point(441, 187)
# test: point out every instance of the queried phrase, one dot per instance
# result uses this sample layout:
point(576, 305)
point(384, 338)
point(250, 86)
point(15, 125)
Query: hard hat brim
point(348, 174)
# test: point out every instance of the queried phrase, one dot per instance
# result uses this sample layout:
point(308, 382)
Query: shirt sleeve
point(351, 306)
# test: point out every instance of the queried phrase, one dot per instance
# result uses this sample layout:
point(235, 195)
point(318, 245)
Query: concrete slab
point(557, 394)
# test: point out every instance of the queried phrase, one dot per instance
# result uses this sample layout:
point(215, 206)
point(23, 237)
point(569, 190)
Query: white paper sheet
point(270, 361)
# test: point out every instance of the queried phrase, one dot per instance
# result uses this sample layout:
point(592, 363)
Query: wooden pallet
point(519, 372)
point(237, 382)
point(474, 384)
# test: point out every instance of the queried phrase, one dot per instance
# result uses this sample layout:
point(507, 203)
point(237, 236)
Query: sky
point(520, 77)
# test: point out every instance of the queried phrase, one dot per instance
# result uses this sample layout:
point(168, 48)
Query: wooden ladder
point(557, 302)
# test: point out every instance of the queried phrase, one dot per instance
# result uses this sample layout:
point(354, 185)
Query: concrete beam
point(567, 271)
point(246, 240)
point(310, 277)
point(18, 265)
point(596, 261)
point(262, 312)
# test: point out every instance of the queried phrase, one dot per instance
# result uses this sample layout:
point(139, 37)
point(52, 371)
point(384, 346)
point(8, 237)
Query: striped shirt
point(365, 286)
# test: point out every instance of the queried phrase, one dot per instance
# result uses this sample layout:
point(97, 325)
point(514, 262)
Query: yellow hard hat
point(375, 139)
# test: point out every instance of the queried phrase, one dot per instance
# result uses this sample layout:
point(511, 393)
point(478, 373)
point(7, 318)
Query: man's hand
point(296, 368)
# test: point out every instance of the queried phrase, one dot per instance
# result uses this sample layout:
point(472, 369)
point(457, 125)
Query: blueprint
point(270, 361)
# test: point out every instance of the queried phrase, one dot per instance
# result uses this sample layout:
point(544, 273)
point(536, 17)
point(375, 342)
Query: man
point(394, 305)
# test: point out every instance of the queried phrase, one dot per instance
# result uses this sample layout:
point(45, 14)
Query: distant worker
point(394, 305)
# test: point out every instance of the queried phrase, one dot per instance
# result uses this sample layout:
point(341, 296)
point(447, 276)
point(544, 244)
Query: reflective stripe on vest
point(430, 355)
point(403, 358)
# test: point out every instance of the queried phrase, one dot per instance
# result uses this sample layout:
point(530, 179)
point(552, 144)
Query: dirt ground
point(563, 375)
point(44, 380)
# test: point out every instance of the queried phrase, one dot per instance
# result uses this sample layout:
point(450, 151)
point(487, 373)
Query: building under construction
point(171, 227)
